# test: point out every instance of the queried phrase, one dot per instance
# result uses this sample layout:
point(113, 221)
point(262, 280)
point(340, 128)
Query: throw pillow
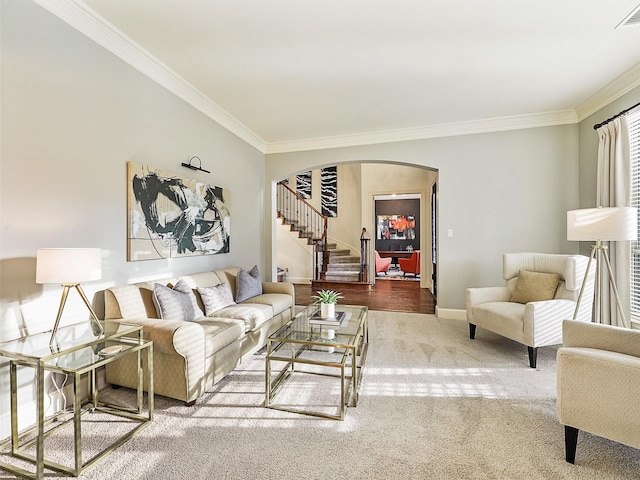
point(216, 297)
point(177, 303)
point(248, 284)
point(535, 286)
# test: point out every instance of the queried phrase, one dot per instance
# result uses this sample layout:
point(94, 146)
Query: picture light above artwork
point(193, 167)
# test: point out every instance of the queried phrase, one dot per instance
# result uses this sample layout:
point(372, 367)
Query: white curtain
point(614, 190)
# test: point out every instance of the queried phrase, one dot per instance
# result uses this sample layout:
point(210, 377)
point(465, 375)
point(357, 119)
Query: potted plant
point(327, 300)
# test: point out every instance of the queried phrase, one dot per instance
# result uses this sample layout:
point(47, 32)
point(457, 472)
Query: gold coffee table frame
point(75, 355)
point(347, 349)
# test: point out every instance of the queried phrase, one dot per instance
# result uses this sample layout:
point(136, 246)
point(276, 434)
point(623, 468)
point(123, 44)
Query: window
point(633, 119)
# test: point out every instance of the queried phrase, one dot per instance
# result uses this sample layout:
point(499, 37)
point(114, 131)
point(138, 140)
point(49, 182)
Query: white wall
point(73, 114)
point(499, 192)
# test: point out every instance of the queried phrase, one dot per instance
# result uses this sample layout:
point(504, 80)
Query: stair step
point(345, 259)
point(342, 277)
point(343, 267)
point(339, 252)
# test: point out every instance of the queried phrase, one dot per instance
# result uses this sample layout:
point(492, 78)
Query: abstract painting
point(303, 185)
point(394, 227)
point(329, 191)
point(170, 217)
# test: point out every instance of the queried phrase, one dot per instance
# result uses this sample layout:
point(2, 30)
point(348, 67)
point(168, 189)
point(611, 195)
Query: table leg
point(77, 432)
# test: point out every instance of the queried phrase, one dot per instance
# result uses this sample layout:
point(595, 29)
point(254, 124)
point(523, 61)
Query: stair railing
point(309, 222)
point(364, 256)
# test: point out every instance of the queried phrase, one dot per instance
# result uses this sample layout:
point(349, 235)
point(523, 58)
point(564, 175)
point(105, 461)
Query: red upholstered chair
point(411, 264)
point(382, 264)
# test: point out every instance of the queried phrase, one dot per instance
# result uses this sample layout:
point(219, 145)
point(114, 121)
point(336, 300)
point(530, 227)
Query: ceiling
point(288, 73)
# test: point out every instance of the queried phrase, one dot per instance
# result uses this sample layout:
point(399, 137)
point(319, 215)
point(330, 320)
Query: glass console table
point(79, 352)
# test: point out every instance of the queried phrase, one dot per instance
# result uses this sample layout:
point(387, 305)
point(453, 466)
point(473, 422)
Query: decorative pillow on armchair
point(177, 303)
point(216, 297)
point(535, 286)
point(248, 284)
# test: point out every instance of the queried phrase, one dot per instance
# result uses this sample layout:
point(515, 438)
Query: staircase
point(342, 266)
point(332, 267)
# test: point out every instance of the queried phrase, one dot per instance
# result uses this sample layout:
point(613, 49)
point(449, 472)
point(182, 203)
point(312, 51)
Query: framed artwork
point(329, 191)
point(303, 185)
point(170, 216)
point(394, 227)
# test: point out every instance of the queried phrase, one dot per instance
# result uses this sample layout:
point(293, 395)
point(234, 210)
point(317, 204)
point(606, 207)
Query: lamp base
point(599, 251)
point(53, 341)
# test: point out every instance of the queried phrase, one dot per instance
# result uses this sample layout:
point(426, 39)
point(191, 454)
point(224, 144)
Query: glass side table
point(79, 352)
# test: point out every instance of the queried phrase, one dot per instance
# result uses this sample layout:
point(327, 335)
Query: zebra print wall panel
point(329, 191)
point(303, 185)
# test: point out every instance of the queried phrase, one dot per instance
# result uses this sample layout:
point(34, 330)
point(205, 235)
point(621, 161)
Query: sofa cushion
point(216, 297)
point(535, 287)
point(248, 284)
point(218, 333)
point(252, 314)
point(278, 301)
point(177, 303)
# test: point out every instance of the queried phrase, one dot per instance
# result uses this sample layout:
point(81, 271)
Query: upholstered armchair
point(598, 377)
point(541, 291)
point(382, 264)
point(411, 264)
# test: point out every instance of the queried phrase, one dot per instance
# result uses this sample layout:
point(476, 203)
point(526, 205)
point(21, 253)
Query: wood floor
point(386, 295)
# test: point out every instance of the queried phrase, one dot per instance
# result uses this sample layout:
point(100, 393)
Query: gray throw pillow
point(216, 297)
point(248, 284)
point(177, 303)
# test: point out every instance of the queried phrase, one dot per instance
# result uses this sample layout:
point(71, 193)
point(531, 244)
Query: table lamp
point(68, 267)
point(602, 224)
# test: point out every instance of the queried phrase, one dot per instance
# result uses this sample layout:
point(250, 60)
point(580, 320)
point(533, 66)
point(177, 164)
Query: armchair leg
point(533, 356)
point(472, 331)
point(570, 443)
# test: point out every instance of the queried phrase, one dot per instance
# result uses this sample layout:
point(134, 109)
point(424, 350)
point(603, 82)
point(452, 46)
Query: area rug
point(433, 405)
point(397, 275)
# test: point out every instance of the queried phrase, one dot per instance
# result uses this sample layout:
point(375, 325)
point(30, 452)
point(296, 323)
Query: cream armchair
point(541, 291)
point(598, 376)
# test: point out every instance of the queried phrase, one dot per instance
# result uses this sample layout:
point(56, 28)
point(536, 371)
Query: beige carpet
point(433, 405)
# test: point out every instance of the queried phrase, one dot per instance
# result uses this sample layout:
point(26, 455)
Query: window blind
point(633, 120)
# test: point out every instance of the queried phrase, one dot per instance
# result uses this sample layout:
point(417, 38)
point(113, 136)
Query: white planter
point(328, 310)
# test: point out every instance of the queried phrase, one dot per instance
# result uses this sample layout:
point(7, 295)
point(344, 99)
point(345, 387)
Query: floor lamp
point(68, 267)
point(600, 225)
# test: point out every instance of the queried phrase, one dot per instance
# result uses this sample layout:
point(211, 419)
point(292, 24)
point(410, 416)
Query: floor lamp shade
point(68, 265)
point(604, 223)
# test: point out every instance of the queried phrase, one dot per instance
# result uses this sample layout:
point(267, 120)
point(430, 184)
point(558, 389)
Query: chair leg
point(472, 331)
point(533, 356)
point(570, 443)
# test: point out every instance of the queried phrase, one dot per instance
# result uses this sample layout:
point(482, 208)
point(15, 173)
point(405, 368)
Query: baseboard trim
point(451, 313)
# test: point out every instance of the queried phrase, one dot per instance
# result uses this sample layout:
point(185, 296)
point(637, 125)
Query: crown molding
point(514, 122)
point(610, 92)
point(86, 21)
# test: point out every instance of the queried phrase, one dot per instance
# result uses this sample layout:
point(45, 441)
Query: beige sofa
point(191, 356)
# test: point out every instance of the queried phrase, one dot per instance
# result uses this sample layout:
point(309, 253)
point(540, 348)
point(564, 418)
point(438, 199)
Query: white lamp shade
point(604, 223)
point(68, 265)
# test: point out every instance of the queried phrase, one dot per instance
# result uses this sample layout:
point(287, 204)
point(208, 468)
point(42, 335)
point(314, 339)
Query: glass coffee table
point(302, 347)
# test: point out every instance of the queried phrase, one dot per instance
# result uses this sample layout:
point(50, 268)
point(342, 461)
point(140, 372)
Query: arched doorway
point(358, 184)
